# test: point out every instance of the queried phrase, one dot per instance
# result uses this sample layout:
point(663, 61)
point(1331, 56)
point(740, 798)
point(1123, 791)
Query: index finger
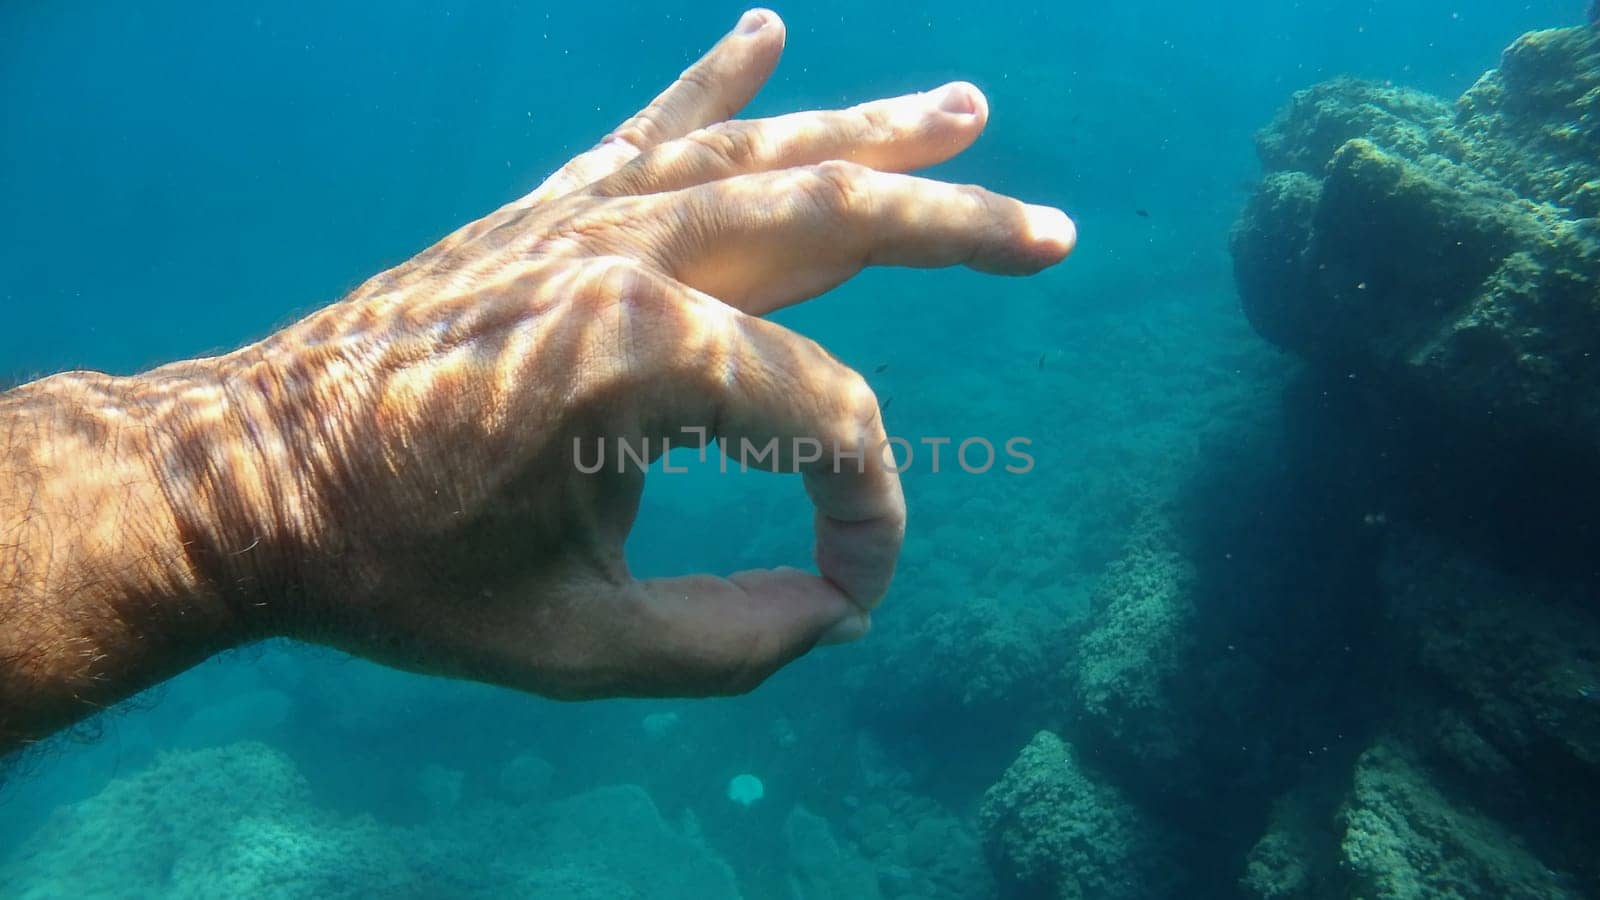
point(774, 401)
point(811, 414)
point(716, 87)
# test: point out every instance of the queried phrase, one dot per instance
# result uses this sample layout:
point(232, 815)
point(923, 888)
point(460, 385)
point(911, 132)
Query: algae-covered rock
point(1051, 828)
point(240, 821)
point(1452, 259)
point(234, 821)
point(819, 867)
point(1517, 659)
point(1320, 119)
point(942, 858)
point(1505, 698)
point(976, 660)
point(919, 850)
point(1441, 265)
point(1533, 124)
point(1293, 858)
point(974, 679)
point(1399, 833)
point(613, 831)
point(1406, 837)
point(1124, 670)
point(1485, 783)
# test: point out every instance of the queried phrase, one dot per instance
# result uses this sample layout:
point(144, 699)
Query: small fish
point(1142, 213)
point(880, 368)
point(884, 406)
point(1041, 358)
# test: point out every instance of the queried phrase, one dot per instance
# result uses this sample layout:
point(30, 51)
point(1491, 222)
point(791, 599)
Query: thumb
point(715, 636)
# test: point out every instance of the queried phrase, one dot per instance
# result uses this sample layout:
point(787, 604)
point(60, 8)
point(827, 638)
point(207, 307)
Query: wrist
point(271, 462)
point(102, 597)
point(236, 444)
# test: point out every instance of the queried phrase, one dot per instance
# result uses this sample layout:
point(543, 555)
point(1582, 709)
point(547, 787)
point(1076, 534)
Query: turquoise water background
point(179, 178)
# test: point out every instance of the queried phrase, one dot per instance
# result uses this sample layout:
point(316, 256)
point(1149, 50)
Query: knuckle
point(608, 170)
point(858, 408)
point(644, 323)
point(702, 87)
point(697, 82)
point(839, 187)
point(613, 282)
point(739, 144)
point(589, 226)
point(698, 353)
point(642, 131)
point(991, 206)
point(877, 125)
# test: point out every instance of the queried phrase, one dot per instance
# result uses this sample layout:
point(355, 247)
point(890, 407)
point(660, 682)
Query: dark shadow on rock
point(1438, 268)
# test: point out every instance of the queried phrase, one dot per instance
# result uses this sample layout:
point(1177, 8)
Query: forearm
point(101, 591)
point(148, 522)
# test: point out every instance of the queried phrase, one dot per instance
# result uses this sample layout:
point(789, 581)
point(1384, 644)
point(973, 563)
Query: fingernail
point(958, 99)
point(1046, 224)
point(851, 628)
point(752, 22)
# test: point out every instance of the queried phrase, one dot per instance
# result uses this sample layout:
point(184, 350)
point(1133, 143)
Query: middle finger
point(761, 242)
point(898, 134)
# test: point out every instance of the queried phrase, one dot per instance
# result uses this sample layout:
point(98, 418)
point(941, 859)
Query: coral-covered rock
point(919, 849)
point(1051, 828)
point(1124, 670)
point(1404, 836)
point(1295, 855)
point(1319, 120)
point(640, 849)
point(942, 858)
point(1533, 124)
point(1506, 696)
point(1443, 265)
point(819, 867)
point(1399, 832)
point(1485, 783)
point(1454, 259)
point(1516, 659)
point(974, 658)
point(240, 821)
point(235, 821)
point(974, 680)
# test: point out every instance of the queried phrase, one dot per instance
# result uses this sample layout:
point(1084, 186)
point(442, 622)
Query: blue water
point(179, 178)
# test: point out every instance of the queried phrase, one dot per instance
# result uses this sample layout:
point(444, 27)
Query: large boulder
point(1399, 834)
point(1053, 828)
point(1449, 257)
point(1127, 671)
point(1511, 664)
point(1486, 777)
point(1438, 266)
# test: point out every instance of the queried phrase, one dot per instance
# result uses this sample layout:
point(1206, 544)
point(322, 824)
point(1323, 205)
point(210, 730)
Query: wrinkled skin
point(395, 474)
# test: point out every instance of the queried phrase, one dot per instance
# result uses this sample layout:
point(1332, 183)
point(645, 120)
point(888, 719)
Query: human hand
point(396, 474)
